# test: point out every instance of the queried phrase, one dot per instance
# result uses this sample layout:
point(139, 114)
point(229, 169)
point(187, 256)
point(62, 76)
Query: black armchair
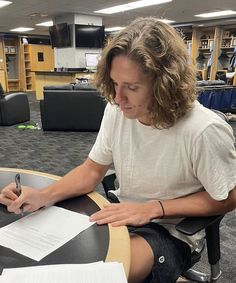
point(72, 108)
point(14, 109)
point(188, 226)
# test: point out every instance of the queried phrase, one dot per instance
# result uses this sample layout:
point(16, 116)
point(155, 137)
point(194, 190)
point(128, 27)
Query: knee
point(142, 259)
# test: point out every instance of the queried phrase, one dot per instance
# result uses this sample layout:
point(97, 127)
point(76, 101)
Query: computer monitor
point(91, 60)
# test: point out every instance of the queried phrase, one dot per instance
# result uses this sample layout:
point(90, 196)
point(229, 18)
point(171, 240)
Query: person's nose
point(119, 94)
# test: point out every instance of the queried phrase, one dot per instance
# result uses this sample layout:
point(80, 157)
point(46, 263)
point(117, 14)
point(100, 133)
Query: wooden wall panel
point(44, 53)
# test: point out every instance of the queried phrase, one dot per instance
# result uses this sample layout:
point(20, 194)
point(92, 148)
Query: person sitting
point(173, 157)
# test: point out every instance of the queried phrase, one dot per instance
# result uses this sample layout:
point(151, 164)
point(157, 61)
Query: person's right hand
point(30, 199)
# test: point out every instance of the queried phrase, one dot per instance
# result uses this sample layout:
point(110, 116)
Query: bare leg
point(142, 259)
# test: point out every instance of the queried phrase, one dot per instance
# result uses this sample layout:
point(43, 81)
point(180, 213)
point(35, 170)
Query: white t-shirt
point(152, 164)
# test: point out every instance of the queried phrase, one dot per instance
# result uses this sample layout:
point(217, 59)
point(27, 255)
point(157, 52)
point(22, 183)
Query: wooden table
point(99, 242)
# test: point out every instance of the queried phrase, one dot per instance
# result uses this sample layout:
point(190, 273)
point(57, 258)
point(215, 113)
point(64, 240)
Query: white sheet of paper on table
point(40, 233)
point(98, 272)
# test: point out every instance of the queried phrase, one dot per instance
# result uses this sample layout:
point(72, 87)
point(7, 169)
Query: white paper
point(40, 233)
point(99, 272)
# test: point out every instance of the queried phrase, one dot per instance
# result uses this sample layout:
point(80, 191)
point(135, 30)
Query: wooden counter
point(55, 78)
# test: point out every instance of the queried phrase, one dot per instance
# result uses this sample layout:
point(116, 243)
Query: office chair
point(188, 226)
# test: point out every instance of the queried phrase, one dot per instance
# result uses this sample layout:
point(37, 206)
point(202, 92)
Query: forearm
point(137, 214)
point(197, 204)
point(81, 180)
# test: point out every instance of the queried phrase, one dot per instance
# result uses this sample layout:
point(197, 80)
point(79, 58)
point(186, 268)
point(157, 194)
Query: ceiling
point(27, 13)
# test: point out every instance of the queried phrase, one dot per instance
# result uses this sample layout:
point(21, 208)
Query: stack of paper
point(38, 234)
point(99, 272)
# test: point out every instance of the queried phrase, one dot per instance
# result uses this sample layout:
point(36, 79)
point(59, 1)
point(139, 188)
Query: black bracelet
point(163, 210)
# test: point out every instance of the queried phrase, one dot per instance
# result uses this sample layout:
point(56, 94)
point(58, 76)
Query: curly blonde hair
point(161, 54)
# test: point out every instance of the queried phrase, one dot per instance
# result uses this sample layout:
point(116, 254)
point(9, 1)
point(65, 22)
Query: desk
point(94, 244)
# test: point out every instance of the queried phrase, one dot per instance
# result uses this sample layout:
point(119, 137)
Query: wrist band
point(163, 210)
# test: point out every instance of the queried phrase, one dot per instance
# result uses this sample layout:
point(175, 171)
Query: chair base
point(215, 272)
point(195, 276)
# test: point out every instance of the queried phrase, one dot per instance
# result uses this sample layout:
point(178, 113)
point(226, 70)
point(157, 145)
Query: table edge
point(119, 250)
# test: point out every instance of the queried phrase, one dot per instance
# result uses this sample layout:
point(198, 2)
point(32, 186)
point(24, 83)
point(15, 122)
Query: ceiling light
point(216, 14)
point(38, 15)
point(21, 29)
point(113, 29)
point(34, 15)
point(166, 21)
point(45, 24)
point(183, 25)
point(5, 3)
point(131, 6)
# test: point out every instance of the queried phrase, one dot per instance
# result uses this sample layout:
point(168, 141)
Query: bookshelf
point(29, 84)
point(226, 52)
point(12, 64)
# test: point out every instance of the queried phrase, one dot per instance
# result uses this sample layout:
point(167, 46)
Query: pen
point(18, 191)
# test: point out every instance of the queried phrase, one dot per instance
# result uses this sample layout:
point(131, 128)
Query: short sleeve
point(101, 151)
point(214, 160)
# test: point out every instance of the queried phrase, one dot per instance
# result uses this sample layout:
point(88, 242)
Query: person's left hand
point(119, 214)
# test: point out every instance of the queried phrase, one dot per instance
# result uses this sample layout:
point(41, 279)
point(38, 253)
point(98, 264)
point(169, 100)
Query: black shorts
point(172, 257)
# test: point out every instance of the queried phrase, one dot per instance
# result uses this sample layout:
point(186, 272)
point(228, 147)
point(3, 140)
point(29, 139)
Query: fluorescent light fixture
point(114, 29)
point(166, 21)
point(131, 6)
point(183, 25)
point(45, 24)
point(21, 29)
point(5, 3)
point(216, 14)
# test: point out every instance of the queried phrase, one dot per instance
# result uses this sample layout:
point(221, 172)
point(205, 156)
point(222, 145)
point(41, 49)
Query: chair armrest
point(188, 226)
point(192, 225)
point(43, 114)
point(108, 181)
point(14, 109)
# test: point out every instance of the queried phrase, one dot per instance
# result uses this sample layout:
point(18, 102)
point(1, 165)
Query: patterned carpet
point(59, 152)
point(52, 152)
